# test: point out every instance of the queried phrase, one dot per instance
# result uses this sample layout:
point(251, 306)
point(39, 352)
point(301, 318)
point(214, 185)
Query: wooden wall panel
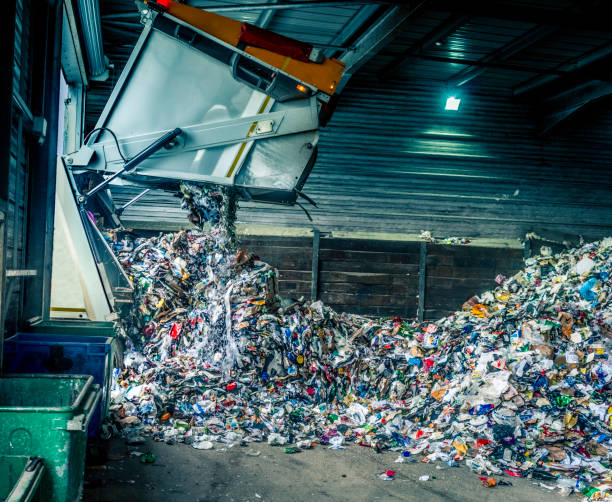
point(381, 278)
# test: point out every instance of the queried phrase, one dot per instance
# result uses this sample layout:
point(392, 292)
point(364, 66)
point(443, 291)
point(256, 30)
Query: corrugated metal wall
point(393, 160)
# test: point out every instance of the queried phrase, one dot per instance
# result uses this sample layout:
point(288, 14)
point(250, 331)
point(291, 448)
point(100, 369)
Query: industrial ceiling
point(551, 58)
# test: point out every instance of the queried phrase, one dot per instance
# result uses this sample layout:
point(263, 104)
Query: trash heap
point(516, 383)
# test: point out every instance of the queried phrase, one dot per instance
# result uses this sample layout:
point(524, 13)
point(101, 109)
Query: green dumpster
point(47, 416)
point(19, 478)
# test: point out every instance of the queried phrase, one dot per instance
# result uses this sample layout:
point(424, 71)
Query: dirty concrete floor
point(182, 473)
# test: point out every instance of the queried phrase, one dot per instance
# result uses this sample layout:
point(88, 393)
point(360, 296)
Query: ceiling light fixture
point(452, 103)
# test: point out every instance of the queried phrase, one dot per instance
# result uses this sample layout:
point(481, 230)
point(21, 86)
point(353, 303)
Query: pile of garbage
point(516, 383)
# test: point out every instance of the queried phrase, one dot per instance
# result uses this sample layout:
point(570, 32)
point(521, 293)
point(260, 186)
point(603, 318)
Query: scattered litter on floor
point(404, 458)
point(487, 482)
point(387, 475)
point(203, 445)
point(147, 458)
point(517, 383)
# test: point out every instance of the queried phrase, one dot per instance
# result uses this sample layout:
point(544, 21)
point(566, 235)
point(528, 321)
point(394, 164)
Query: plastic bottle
point(481, 409)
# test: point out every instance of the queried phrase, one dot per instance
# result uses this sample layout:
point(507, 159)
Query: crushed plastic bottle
point(481, 409)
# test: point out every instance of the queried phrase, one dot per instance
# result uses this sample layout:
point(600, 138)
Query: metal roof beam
point(503, 53)
point(265, 17)
point(561, 106)
point(281, 5)
point(583, 15)
point(489, 64)
point(376, 37)
point(449, 26)
point(572, 66)
point(350, 28)
point(91, 31)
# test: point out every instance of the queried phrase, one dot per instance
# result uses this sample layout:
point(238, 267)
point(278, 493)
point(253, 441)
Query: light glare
point(452, 103)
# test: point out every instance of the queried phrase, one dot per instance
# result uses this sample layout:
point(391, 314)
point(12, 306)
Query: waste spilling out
point(515, 384)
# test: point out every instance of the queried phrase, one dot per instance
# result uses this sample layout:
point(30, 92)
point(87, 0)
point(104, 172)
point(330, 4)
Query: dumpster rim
point(50, 409)
point(15, 338)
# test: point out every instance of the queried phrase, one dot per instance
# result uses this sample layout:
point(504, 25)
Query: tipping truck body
point(203, 99)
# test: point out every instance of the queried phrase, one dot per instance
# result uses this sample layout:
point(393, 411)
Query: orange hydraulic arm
point(324, 75)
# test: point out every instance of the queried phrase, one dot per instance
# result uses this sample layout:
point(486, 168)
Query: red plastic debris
point(175, 331)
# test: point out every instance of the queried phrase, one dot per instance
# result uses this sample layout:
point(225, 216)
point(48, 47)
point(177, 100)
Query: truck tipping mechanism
point(204, 99)
point(210, 100)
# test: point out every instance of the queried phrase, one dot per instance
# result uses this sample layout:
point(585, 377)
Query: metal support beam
point(502, 54)
point(377, 37)
point(353, 25)
point(314, 285)
point(7, 24)
point(561, 106)
point(422, 281)
point(527, 248)
point(132, 201)
point(450, 25)
point(278, 6)
point(23, 107)
point(91, 29)
point(73, 63)
point(571, 66)
point(488, 64)
point(46, 44)
point(266, 16)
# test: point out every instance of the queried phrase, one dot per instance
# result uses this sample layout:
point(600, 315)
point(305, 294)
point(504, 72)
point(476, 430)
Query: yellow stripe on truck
point(243, 145)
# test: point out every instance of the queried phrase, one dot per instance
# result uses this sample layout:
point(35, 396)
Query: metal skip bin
point(47, 416)
point(68, 354)
point(204, 106)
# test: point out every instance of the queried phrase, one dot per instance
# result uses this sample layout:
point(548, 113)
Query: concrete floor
point(182, 473)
